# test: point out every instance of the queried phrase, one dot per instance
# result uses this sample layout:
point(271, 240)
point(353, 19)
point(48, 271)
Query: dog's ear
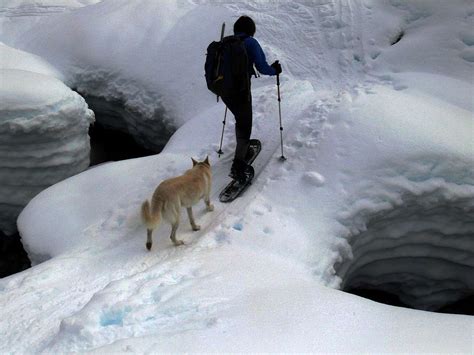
point(206, 161)
point(194, 162)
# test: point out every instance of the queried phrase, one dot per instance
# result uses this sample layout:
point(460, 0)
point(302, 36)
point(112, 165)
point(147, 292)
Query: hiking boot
point(240, 170)
point(246, 174)
point(237, 166)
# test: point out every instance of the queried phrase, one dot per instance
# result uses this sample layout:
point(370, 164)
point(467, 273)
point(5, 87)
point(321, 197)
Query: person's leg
point(242, 111)
point(243, 128)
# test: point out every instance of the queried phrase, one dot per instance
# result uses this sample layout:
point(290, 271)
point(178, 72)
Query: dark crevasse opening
point(464, 305)
point(113, 145)
point(418, 255)
point(113, 137)
point(120, 133)
point(13, 257)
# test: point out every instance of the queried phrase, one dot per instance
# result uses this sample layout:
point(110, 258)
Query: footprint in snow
point(238, 226)
point(267, 230)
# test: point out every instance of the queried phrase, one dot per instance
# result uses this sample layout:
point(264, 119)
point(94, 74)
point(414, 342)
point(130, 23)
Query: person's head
point(244, 25)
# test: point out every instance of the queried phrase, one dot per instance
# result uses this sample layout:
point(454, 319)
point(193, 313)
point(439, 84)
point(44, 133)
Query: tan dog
point(172, 194)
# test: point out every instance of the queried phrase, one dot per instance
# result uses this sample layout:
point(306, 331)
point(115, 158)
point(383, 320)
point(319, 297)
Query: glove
point(276, 65)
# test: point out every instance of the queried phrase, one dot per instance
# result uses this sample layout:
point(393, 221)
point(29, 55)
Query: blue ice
point(113, 317)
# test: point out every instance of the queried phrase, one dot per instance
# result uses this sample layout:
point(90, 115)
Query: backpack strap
point(252, 71)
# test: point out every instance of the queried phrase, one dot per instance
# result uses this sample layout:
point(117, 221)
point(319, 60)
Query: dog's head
point(204, 163)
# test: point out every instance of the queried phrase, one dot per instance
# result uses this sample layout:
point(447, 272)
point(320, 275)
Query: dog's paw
point(148, 246)
point(210, 208)
point(178, 243)
point(196, 228)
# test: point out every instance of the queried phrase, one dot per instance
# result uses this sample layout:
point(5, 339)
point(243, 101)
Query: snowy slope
point(19, 16)
point(379, 172)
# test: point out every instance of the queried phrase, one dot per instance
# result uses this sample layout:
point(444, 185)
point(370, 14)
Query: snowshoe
point(241, 173)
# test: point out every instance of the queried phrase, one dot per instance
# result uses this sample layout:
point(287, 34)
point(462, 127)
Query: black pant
point(241, 108)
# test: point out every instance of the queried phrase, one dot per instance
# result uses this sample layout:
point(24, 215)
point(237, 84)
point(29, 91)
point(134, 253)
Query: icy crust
point(43, 137)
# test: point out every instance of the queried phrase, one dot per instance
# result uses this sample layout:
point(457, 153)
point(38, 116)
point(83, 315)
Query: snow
point(313, 178)
point(132, 65)
point(19, 16)
point(12, 58)
point(413, 205)
point(43, 131)
point(377, 188)
point(432, 38)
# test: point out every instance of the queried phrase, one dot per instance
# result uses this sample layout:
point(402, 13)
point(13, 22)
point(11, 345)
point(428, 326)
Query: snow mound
point(409, 222)
point(43, 130)
point(313, 178)
point(11, 58)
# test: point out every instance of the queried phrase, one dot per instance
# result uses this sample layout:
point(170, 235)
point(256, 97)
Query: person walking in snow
point(241, 105)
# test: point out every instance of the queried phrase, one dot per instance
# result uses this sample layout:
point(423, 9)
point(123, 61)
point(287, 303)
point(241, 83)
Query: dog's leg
point(174, 228)
point(209, 205)
point(194, 226)
point(149, 240)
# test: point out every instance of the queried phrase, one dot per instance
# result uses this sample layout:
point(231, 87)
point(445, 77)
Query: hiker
point(241, 105)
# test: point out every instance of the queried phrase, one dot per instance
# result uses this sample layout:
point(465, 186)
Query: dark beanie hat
point(244, 25)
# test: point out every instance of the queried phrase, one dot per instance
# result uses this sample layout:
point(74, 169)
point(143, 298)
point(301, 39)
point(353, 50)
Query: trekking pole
point(282, 158)
point(218, 64)
point(220, 152)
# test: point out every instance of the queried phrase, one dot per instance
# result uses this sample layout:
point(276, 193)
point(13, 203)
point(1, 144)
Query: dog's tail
point(151, 215)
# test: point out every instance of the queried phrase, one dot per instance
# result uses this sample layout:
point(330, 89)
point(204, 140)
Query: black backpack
point(226, 67)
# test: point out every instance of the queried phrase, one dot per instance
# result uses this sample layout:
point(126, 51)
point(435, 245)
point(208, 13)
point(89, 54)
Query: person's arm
point(256, 55)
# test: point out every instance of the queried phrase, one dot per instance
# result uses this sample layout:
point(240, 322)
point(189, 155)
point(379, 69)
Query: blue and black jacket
point(256, 56)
